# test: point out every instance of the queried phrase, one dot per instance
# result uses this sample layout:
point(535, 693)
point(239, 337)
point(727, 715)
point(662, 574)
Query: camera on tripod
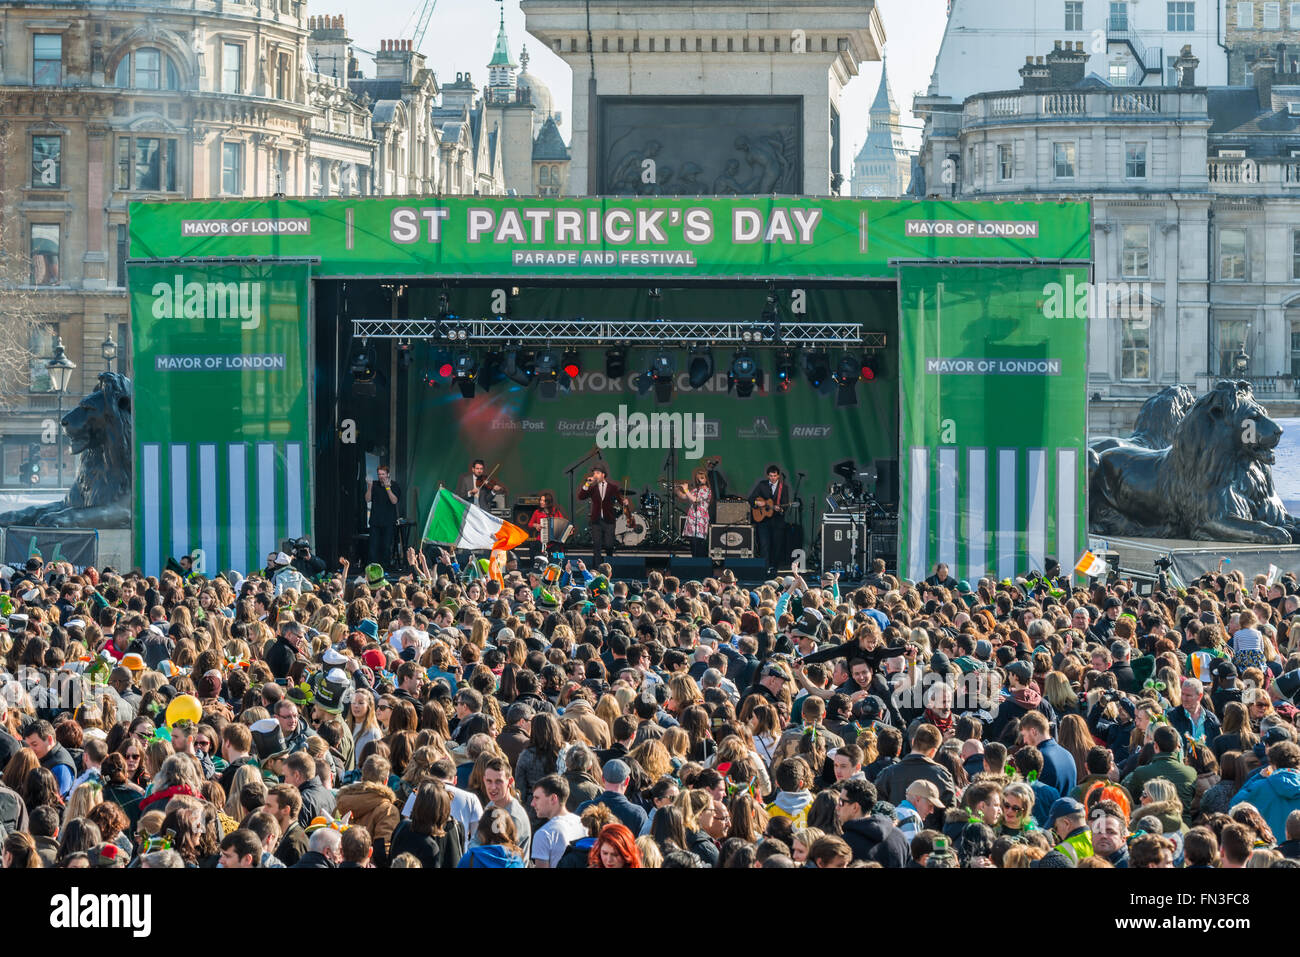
point(856, 491)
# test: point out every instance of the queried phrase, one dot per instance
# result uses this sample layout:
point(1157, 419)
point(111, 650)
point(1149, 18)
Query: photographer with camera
point(307, 564)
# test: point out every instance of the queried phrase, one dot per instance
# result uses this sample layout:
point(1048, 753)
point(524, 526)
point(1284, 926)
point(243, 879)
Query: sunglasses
point(1013, 808)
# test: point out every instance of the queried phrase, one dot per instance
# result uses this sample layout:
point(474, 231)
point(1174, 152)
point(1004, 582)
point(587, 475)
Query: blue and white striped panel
point(1008, 527)
point(977, 518)
point(918, 513)
point(151, 515)
point(1036, 509)
point(1067, 507)
point(947, 479)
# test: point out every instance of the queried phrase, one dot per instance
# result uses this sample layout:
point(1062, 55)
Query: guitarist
point(770, 530)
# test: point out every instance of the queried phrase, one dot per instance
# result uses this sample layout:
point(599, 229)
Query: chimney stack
point(1035, 75)
point(1265, 69)
point(1186, 65)
point(1066, 64)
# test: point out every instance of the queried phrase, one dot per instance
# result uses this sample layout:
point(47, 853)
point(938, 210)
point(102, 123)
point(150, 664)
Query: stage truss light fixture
point(817, 368)
point(465, 369)
point(663, 366)
point(404, 358)
point(364, 370)
point(744, 373)
point(615, 362)
point(571, 363)
point(786, 368)
point(491, 370)
point(870, 367)
point(847, 374)
point(700, 369)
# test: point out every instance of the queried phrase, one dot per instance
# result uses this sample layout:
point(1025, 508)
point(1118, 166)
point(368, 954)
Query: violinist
point(477, 486)
point(698, 493)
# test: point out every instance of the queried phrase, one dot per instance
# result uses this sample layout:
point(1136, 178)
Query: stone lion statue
point(1156, 421)
point(100, 431)
point(1213, 482)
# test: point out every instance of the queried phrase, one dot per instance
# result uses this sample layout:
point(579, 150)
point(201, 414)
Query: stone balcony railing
point(1248, 176)
point(1123, 103)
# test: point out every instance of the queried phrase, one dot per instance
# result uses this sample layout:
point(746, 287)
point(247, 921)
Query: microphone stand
point(794, 497)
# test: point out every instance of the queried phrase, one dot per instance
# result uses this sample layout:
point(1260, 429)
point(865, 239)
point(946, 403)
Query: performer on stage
point(548, 522)
point(383, 514)
point(475, 486)
point(606, 502)
point(770, 530)
point(700, 495)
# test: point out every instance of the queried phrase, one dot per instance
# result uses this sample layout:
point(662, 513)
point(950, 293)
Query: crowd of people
point(439, 720)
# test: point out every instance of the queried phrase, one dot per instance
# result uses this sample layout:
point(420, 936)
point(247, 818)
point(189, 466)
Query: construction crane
point(422, 24)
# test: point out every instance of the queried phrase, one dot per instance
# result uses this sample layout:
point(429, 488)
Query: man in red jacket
point(606, 502)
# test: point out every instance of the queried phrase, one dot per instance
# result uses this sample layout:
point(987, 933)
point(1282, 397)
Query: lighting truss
point(624, 331)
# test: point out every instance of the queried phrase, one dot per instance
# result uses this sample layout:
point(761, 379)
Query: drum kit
point(642, 521)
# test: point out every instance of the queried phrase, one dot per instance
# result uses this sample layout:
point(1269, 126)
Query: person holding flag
point(463, 525)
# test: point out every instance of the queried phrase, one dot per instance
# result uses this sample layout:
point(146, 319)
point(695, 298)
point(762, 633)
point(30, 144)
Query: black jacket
point(314, 860)
point(9, 746)
point(13, 812)
point(432, 852)
point(877, 838)
point(317, 801)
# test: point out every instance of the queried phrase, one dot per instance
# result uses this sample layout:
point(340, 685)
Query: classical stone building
point(108, 102)
point(707, 96)
point(1255, 27)
point(1195, 194)
point(883, 167)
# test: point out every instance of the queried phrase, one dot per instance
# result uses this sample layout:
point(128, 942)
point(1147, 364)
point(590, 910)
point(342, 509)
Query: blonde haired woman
point(83, 798)
point(365, 724)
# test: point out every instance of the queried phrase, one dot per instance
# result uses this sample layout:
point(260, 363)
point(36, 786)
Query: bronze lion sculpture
point(100, 432)
point(1213, 483)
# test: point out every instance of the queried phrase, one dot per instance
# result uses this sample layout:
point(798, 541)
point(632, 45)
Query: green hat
point(375, 574)
point(546, 598)
point(300, 694)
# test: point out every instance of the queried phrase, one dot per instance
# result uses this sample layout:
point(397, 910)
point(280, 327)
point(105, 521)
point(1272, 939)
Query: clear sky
point(462, 32)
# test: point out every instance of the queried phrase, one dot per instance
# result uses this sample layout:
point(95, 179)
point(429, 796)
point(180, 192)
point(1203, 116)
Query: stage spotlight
point(785, 369)
point(817, 368)
point(403, 355)
point(615, 362)
point(701, 367)
point(870, 368)
point(518, 368)
point(847, 374)
point(465, 369)
point(364, 366)
point(491, 371)
point(548, 365)
point(744, 374)
point(662, 368)
point(571, 363)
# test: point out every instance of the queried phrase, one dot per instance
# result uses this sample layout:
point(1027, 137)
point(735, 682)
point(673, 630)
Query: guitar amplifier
point(838, 533)
point(733, 513)
point(731, 541)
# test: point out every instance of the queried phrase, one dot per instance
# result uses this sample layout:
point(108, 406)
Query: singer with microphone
point(606, 502)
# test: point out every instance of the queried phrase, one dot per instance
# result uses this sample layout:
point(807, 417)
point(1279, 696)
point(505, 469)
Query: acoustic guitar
point(763, 509)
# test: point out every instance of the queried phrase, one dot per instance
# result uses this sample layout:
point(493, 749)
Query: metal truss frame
point(680, 332)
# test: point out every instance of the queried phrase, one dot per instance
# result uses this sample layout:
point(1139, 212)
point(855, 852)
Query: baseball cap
point(774, 670)
point(927, 790)
point(1063, 807)
point(616, 771)
point(1021, 670)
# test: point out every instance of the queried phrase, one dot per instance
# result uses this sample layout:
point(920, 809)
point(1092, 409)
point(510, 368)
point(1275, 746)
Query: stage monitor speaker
point(688, 568)
point(750, 571)
point(627, 566)
point(732, 513)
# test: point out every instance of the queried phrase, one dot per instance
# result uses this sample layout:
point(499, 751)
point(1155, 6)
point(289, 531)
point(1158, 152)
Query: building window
point(1272, 16)
point(45, 254)
point(1135, 160)
point(545, 177)
point(1295, 350)
point(47, 59)
point(147, 69)
point(1181, 16)
point(1295, 254)
point(1118, 74)
point(146, 162)
point(1135, 349)
point(282, 74)
point(1118, 16)
point(1232, 254)
point(1232, 339)
point(121, 262)
point(1074, 14)
point(47, 156)
point(1135, 254)
point(232, 68)
point(232, 161)
point(40, 343)
point(1246, 15)
point(1293, 14)
point(1063, 160)
point(1006, 162)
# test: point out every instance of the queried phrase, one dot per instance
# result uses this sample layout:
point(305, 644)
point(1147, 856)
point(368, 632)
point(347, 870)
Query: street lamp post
point(60, 368)
point(108, 349)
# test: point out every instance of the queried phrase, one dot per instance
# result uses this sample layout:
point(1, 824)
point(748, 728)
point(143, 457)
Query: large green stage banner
point(534, 438)
point(222, 450)
point(682, 238)
point(992, 418)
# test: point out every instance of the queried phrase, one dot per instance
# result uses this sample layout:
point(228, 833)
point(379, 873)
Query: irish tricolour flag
point(454, 521)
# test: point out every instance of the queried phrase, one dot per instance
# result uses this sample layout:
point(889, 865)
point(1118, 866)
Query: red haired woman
point(615, 847)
